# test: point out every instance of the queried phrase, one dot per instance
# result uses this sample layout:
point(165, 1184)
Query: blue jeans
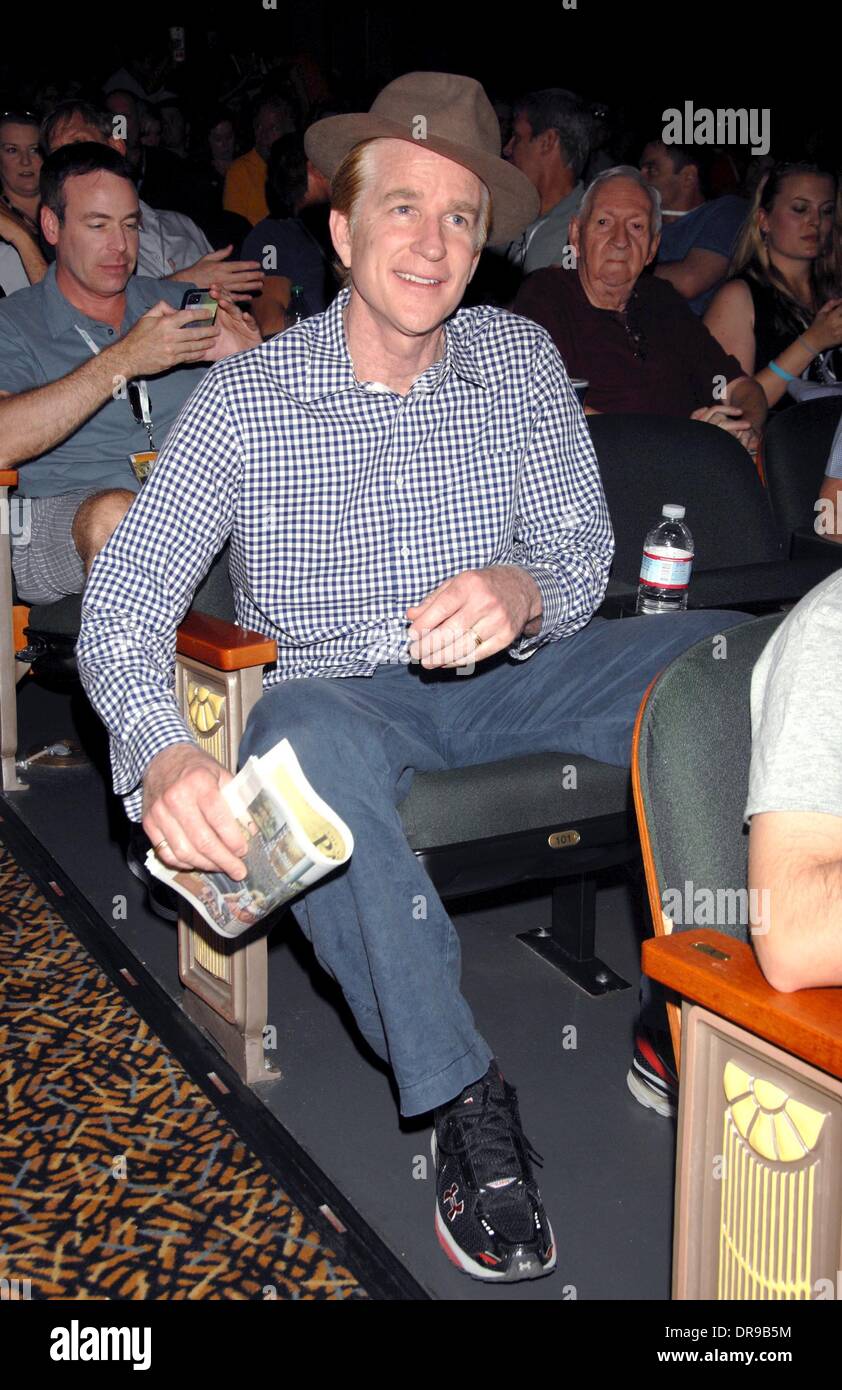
point(378, 925)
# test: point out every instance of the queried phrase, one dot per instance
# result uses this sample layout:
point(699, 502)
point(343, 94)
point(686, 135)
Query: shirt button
point(111, 332)
point(399, 482)
point(405, 552)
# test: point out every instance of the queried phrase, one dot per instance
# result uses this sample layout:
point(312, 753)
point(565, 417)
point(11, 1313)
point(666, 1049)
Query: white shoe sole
point(642, 1093)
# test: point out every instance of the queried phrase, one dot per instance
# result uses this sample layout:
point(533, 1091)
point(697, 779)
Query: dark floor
point(608, 1163)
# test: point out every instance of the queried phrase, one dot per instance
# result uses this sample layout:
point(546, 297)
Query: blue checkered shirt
point(345, 504)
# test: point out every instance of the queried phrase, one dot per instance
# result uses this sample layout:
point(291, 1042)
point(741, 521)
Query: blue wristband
point(779, 371)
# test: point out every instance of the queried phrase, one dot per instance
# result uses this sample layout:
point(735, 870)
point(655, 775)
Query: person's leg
point(46, 560)
point(578, 695)
point(377, 925)
point(96, 521)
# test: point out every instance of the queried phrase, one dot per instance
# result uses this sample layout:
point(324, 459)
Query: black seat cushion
point(511, 796)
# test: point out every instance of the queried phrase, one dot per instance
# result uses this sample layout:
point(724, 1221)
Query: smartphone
point(200, 299)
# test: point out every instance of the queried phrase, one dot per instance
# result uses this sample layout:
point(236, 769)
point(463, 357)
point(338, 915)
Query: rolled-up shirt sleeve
point(143, 581)
point(563, 533)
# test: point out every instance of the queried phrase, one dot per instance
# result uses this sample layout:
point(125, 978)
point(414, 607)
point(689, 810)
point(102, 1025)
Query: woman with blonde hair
point(780, 312)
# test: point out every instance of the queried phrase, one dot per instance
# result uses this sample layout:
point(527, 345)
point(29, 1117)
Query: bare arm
point(32, 422)
point(745, 394)
point(730, 318)
point(26, 246)
point(795, 859)
point(268, 310)
point(825, 331)
point(695, 274)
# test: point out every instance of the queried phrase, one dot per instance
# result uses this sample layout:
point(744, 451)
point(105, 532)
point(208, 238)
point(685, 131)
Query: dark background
point(640, 57)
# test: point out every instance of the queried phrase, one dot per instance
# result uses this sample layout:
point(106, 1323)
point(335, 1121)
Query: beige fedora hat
point(449, 115)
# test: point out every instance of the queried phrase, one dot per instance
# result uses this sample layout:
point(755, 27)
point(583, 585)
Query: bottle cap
point(673, 511)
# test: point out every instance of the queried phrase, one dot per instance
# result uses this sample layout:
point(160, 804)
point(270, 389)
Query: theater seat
point(740, 559)
point(797, 447)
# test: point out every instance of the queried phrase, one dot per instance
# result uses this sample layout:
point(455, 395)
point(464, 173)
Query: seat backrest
point(215, 595)
point(692, 758)
point(647, 460)
point(795, 454)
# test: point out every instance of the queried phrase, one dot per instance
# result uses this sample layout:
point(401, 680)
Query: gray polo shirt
point(39, 343)
point(542, 243)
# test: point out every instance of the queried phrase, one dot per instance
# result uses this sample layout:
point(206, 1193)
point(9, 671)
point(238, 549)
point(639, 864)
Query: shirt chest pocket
point(486, 476)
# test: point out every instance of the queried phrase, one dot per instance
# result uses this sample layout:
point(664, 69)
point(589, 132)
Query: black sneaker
point(163, 901)
point(490, 1220)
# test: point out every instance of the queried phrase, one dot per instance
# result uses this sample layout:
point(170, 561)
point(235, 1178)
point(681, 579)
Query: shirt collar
point(330, 348)
point(61, 315)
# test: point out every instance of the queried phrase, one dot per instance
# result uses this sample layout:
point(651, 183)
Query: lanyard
point(138, 392)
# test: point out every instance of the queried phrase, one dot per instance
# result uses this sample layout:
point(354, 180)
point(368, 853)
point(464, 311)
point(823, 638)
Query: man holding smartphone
point(95, 365)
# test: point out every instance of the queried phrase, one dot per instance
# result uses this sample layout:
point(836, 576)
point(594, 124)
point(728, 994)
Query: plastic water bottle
point(666, 565)
point(296, 310)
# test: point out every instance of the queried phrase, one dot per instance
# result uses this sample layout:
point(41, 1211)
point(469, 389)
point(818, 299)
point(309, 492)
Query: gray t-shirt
point(796, 751)
point(40, 342)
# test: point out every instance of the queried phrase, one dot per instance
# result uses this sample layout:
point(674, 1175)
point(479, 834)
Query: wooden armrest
point(20, 621)
point(807, 1023)
point(223, 645)
point(8, 477)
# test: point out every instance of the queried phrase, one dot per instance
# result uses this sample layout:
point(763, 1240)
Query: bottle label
point(665, 568)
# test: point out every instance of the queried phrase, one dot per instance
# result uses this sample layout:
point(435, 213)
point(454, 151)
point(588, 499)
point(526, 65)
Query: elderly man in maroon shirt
point(630, 335)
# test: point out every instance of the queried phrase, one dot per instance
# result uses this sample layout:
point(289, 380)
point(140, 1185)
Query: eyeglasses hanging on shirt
point(137, 394)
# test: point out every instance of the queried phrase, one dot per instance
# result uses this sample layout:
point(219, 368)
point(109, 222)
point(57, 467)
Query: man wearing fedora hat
point(416, 516)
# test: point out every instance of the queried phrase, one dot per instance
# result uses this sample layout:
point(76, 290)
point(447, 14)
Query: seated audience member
point(829, 506)
point(157, 172)
point(402, 535)
point(150, 126)
point(284, 244)
point(780, 313)
point(168, 241)
point(175, 130)
point(20, 164)
point(68, 344)
point(630, 335)
point(550, 144)
point(697, 236)
point(603, 137)
point(218, 148)
point(245, 182)
point(795, 795)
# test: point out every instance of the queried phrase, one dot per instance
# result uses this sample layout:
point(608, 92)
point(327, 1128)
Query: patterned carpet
point(118, 1177)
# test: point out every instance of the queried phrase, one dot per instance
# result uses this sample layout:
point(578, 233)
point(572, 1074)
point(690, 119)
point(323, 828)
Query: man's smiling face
point(412, 245)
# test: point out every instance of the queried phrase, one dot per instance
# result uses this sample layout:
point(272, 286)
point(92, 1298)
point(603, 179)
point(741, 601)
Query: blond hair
point(751, 254)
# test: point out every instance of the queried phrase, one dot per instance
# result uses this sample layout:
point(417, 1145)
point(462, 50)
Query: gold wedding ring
point(477, 638)
point(160, 845)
